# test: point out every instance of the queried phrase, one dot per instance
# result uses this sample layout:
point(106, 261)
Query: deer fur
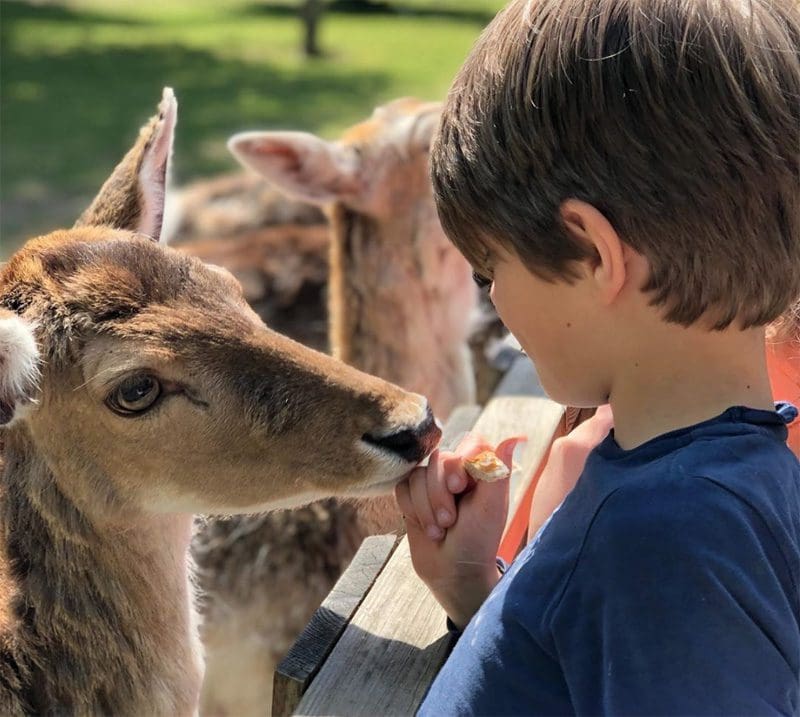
point(276, 247)
point(99, 486)
point(401, 299)
point(398, 288)
point(19, 365)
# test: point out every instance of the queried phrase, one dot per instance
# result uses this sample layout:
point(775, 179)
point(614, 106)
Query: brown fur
point(95, 514)
point(399, 304)
point(119, 203)
point(283, 271)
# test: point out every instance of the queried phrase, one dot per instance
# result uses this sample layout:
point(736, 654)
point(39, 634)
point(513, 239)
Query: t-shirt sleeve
point(682, 605)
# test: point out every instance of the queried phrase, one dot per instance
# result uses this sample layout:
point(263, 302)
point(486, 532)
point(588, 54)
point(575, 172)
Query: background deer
point(161, 394)
point(401, 306)
point(276, 247)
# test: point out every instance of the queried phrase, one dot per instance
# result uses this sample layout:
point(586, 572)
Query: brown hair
point(678, 119)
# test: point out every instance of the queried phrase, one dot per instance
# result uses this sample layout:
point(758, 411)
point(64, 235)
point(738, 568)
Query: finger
point(604, 418)
point(592, 431)
point(472, 444)
point(490, 500)
point(455, 477)
point(441, 500)
point(402, 494)
point(604, 412)
point(421, 503)
point(505, 449)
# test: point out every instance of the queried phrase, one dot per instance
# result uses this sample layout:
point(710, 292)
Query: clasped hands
point(455, 524)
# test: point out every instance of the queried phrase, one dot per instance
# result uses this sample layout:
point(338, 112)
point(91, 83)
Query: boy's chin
point(572, 395)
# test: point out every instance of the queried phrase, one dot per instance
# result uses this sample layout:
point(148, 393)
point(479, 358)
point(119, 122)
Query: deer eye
point(136, 394)
point(481, 280)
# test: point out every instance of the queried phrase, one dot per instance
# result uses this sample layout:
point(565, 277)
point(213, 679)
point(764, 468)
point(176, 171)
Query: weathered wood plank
point(397, 641)
point(320, 635)
point(389, 653)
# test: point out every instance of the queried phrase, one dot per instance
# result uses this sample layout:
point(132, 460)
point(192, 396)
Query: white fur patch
point(19, 362)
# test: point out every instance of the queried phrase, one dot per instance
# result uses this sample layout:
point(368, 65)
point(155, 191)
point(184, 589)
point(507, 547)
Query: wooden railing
point(378, 640)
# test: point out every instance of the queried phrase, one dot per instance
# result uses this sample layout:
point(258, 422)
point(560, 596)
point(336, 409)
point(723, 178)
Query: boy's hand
point(565, 465)
point(454, 526)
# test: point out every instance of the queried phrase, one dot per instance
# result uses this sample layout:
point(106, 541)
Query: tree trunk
point(310, 12)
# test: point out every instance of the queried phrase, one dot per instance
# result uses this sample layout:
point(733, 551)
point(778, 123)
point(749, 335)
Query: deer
point(278, 245)
point(138, 389)
point(275, 246)
point(401, 301)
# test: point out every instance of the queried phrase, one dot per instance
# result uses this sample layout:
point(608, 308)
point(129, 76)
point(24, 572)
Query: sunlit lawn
point(78, 77)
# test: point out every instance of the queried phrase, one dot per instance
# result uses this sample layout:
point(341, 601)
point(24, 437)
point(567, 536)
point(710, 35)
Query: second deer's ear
point(300, 164)
point(133, 196)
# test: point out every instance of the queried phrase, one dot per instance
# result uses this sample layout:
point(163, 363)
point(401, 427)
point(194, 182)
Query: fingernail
point(454, 482)
point(435, 532)
point(444, 517)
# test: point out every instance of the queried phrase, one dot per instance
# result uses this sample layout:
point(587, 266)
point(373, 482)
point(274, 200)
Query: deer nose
point(410, 444)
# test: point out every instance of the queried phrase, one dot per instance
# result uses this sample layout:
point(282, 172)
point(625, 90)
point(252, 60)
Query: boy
point(626, 174)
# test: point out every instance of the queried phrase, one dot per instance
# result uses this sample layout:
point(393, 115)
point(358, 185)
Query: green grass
point(78, 77)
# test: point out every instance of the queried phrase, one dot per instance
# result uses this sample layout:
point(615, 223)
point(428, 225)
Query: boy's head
point(678, 120)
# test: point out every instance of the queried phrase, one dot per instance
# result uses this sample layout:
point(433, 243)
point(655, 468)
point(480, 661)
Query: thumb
point(492, 498)
point(505, 450)
point(489, 501)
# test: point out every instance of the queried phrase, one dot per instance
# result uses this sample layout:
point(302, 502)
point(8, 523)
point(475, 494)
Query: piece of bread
point(487, 467)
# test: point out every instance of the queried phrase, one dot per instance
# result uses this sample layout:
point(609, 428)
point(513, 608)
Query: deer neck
point(111, 604)
point(401, 299)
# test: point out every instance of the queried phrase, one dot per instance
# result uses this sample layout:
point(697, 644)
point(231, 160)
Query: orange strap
point(783, 363)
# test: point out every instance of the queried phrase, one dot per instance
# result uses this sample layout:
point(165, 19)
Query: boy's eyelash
point(481, 280)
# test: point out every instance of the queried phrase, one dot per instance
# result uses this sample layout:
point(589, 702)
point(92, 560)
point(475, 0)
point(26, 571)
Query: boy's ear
point(133, 196)
point(300, 164)
point(608, 267)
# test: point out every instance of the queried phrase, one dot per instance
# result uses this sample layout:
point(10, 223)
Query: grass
point(78, 77)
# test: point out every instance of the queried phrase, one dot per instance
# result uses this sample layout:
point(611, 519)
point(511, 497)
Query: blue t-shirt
point(667, 583)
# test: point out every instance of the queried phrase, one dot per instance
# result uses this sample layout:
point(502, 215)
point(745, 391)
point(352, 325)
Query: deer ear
point(19, 365)
point(133, 196)
point(300, 164)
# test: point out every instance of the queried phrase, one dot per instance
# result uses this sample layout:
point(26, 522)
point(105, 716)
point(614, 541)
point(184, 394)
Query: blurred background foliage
point(78, 77)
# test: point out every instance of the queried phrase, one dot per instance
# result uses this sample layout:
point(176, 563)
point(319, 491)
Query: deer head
point(161, 389)
point(398, 289)
point(368, 169)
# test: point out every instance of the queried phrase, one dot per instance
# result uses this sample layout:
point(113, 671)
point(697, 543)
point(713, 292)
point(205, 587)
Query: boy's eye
point(480, 280)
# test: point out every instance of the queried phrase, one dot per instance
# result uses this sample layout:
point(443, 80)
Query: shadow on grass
point(15, 10)
point(376, 7)
point(68, 117)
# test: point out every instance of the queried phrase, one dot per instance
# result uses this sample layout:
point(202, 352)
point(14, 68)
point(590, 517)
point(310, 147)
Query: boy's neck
point(684, 376)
